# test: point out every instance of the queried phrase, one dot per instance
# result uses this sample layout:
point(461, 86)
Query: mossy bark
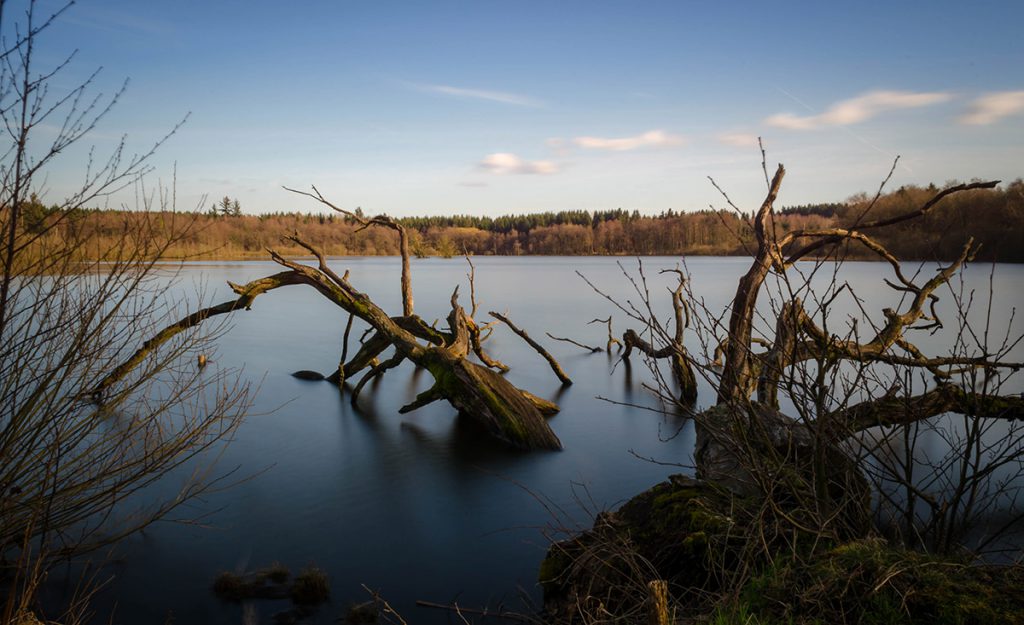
point(693, 535)
point(510, 414)
point(505, 411)
point(673, 532)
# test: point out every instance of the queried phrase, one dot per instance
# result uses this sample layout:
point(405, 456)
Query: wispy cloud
point(505, 163)
point(115, 21)
point(858, 109)
point(738, 139)
point(649, 139)
point(482, 94)
point(992, 107)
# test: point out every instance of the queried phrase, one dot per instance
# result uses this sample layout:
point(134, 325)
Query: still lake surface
point(415, 506)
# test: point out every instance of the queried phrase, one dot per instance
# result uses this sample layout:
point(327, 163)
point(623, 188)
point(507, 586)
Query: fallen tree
point(511, 414)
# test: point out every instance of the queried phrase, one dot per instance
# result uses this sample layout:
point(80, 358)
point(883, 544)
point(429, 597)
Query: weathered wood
point(888, 411)
point(489, 399)
point(824, 239)
point(340, 372)
point(611, 335)
point(736, 382)
point(682, 371)
point(591, 349)
point(379, 220)
point(474, 390)
point(754, 450)
point(557, 368)
point(781, 355)
point(246, 294)
point(476, 340)
point(505, 411)
point(375, 371)
point(363, 358)
point(657, 602)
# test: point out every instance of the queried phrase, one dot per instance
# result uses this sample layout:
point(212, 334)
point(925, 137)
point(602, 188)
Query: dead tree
point(810, 443)
point(508, 413)
point(805, 358)
point(671, 348)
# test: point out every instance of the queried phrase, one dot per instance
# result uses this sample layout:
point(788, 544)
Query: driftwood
point(657, 603)
point(611, 335)
point(843, 465)
point(682, 368)
point(508, 413)
point(589, 348)
point(672, 345)
point(744, 442)
point(557, 368)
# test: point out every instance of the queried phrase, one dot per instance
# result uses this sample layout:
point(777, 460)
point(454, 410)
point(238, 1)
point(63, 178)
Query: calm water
point(415, 506)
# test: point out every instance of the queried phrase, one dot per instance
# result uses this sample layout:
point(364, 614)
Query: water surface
point(417, 506)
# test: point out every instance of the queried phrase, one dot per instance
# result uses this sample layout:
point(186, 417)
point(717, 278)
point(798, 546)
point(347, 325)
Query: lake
point(415, 506)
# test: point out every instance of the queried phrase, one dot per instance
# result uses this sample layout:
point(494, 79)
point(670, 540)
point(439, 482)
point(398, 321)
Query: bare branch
point(824, 239)
point(557, 368)
point(590, 349)
point(246, 294)
point(887, 411)
point(611, 336)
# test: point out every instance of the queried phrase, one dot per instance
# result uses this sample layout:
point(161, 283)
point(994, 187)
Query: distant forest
point(994, 218)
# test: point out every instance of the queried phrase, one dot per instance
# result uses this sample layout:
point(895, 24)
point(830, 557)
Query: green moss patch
point(870, 582)
point(680, 531)
point(669, 532)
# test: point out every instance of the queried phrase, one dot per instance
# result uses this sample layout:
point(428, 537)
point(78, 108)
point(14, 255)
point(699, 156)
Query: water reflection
point(422, 505)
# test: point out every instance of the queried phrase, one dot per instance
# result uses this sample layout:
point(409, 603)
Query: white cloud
point(993, 107)
point(482, 94)
point(649, 139)
point(505, 163)
point(857, 109)
point(738, 139)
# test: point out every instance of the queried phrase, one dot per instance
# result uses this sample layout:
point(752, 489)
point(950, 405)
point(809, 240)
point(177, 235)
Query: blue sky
point(500, 107)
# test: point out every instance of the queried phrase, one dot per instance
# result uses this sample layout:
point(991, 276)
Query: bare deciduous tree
point(73, 306)
point(851, 383)
point(831, 424)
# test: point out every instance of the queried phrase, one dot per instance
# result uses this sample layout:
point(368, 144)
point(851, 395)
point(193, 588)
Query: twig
point(383, 606)
point(611, 337)
point(592, 350)
point(454, 607)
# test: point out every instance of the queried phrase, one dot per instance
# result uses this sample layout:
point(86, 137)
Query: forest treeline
point(993, 217)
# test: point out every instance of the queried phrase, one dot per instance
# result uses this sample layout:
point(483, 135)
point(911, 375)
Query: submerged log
point(505, 411)
point(508, 413)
